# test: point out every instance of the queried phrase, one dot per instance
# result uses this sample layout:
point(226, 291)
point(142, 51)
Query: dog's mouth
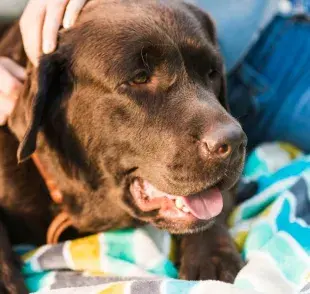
point(204, 205)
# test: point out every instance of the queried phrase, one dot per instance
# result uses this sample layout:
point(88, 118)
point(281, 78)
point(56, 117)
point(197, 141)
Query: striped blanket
point(271, 227)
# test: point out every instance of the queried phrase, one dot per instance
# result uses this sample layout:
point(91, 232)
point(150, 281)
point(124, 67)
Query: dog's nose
point(224, 142)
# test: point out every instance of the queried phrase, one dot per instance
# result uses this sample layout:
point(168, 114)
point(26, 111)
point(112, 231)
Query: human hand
point(41, 21)
point(11, 81)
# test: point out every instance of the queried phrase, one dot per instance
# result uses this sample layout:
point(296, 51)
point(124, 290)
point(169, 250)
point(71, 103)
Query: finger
point(72, 12)
point(3, 119)
point(53, 19)
point(7, 104)
point(31, 25)
point(15, 69)
point(9, 85)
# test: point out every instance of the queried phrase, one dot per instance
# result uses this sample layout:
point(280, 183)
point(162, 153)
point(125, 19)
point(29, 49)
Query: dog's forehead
point(111, 34)
point(163, 18)
point(131, 8)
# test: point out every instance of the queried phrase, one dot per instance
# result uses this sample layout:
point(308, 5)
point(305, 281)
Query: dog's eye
point(141, 78)
point(213, 74)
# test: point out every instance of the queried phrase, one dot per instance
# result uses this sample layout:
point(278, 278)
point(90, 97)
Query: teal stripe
point(38, 281)
point(243, 284)
point(291, 264)
point(251, 209)
point(179, 287)
point(165, 268)
point(255, 166)
point(294, 169)
point(300, 233)
point(28, 269)
point(119, 244)
point(119, 267)
point(258, 237)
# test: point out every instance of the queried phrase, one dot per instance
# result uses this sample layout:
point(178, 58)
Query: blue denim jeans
point(238, 24)
point(270, 91)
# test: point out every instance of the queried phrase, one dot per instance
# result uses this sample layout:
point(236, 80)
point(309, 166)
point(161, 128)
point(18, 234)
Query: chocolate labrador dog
point(131, 117)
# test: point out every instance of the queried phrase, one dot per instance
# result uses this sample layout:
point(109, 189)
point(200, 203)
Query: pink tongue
point(206, 204)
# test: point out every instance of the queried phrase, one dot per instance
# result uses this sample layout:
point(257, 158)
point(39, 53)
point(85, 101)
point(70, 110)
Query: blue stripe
point(294, 169)
point(299, 233)
point(301, 192)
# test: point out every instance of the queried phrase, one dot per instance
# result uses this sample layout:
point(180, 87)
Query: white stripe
point(265, 276)
point(102, 253)
point(277, 187)
point(67, 255)
point(34, 258)
point(220, 287)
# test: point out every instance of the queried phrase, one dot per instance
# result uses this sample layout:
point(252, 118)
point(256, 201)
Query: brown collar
point(62, 221)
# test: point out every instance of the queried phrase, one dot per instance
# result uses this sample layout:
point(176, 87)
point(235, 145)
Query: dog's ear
point(209, 27)
point(206, 22)
point(223, 92)
point(53, 82)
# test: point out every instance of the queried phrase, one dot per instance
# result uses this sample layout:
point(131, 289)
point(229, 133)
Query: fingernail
point(68, 23)
point(23, 74)
point(48, 47)
point(35, 62)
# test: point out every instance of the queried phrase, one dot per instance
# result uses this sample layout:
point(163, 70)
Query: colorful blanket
point(271, 227)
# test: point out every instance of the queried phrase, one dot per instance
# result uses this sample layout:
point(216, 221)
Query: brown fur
point(97, 133)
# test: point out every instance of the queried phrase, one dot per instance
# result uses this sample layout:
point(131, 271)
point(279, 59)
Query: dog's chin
point(178, 214)
point(183, 227)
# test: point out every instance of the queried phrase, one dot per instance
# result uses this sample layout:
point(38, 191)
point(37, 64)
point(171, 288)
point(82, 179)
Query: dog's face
point(140, 90)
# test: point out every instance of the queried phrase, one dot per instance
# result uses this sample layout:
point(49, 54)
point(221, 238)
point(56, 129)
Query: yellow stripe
point(232, 217)
point(118, 288)
point(292, 151)
point(307, 277)
point(173, 249)
point(96, 274)
point(265, 212)
point(28, 255)
point(240, 240)
point(85, 253)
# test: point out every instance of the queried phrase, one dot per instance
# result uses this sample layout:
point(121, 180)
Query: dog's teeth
point(179, 203)
point(185, 209)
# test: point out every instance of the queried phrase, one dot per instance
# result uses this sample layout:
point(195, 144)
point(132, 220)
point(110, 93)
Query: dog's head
point(134, 96)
